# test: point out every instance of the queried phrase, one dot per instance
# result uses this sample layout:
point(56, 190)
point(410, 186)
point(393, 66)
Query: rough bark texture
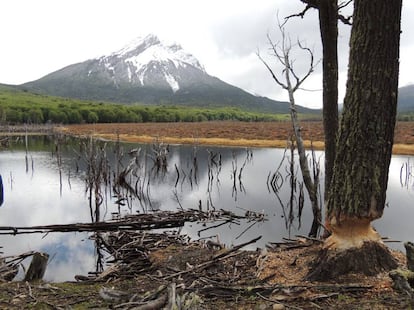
point(328, 24)
point(370, 259)
point(360, 175)
point(365, 140)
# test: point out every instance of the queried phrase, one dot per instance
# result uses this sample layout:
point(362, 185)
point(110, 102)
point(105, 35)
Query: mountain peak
point(148, 70)
point(137, 43)
point(146, 61)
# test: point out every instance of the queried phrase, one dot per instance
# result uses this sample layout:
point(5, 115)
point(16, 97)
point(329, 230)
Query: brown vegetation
point(255, 134)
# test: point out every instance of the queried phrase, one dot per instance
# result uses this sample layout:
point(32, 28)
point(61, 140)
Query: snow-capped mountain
point(152, 72)
point(148, 62)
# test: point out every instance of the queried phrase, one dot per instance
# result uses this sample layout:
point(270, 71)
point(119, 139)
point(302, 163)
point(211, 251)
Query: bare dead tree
point(329, 14)
point(291, 83)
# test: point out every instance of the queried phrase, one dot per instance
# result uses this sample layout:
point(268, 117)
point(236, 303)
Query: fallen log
point(147, 221)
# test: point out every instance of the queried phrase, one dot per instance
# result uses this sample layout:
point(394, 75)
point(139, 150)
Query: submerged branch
point(156, 220)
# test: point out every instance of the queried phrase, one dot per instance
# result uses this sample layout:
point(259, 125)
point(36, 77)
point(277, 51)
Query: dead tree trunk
point(291, 84)
point(37, 267)
point(310, 184)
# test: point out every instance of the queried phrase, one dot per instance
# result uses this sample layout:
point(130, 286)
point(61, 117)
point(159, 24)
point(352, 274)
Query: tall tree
point(359, 181)
point(328, 24)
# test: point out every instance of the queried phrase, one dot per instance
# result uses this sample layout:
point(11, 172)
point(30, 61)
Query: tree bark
point(365, 140)
point(310, 184)
point(370, 260)
point(328, 24)
point(37, 267)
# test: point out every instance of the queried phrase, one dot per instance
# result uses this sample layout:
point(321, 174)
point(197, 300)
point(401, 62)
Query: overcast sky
point(39, 37)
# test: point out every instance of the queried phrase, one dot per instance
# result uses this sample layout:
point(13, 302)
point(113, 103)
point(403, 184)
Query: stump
point(403, 280)
point(37, 267)
point(369, 259)
point(409, 252)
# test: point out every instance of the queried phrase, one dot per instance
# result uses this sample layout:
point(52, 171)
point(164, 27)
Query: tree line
point(38, 109)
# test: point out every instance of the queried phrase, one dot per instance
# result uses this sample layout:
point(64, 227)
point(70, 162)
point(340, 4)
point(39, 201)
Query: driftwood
point(216, 258)
point(147, 221)
point(9, 265)
point(37, 267)
point(223, 274)
point(7, 271)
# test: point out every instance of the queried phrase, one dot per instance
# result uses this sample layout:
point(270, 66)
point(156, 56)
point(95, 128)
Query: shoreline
point(398, 148)
point(206, 133)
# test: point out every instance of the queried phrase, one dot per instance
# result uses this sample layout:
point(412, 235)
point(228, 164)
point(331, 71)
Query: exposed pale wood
point(352, 232)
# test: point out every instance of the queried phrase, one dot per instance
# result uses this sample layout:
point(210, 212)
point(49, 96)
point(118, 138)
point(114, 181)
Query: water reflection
point(68, 181)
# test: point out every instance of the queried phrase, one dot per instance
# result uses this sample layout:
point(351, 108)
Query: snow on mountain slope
point(151, 72)
point(149, 61)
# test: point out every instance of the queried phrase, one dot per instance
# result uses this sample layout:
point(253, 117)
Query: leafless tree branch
point(285, 46)
point(344, 4)
point(345, 20)
point(271, 72)
point(314, 4)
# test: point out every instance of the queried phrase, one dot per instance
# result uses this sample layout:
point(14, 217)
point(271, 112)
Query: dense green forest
point(18, 106)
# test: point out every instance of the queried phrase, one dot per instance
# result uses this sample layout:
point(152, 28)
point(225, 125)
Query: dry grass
point(259, 134)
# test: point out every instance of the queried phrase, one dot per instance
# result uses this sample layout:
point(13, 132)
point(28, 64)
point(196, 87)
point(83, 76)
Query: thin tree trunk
point(328, 24)
point(311, 185)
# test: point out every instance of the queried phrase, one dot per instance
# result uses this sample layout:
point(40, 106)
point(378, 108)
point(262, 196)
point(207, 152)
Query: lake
point(46, 185)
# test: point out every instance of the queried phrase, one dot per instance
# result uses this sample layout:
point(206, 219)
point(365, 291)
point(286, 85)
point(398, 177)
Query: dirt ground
point(236, 280)
point(254, 134)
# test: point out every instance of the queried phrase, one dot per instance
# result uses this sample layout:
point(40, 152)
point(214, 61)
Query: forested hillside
point(17, 106)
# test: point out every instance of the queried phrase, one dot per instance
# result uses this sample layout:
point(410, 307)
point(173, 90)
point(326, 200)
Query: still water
point(46, 185)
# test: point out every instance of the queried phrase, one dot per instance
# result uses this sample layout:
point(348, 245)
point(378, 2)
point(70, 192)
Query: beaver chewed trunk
point(353, 247)
point(357, 190)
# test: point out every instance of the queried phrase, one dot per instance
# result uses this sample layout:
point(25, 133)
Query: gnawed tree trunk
point(368, 260)
point(363, 153)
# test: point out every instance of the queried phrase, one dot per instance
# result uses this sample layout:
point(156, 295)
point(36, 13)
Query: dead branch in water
point(149, 221)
